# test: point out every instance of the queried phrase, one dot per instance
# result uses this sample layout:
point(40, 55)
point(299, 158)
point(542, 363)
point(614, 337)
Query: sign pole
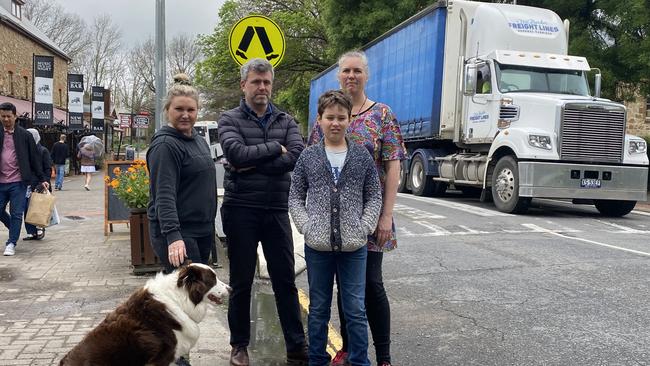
point(160, 61)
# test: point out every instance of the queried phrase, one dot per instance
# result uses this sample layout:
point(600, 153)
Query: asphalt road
point(561, 285)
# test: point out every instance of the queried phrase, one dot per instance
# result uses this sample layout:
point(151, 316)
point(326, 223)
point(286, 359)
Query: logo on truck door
point(478, 117)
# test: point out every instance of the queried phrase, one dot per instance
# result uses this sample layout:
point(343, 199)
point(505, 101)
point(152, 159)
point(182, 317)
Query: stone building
point(20, 41)
point(638, 115)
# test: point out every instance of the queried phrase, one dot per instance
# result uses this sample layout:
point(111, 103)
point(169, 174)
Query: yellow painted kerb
point(334, 341)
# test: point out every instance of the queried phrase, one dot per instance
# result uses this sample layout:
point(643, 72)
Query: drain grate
point(76, 218)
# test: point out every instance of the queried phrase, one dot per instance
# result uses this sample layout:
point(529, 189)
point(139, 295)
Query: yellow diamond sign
point(256, 36)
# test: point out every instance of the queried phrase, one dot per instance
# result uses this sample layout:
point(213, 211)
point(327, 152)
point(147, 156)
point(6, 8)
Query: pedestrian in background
point(374, 126)
point(60, 153)
point(19, 164)
point(183, 190)
point(34, 233)
point(261, 144)
point(87, 156)
point(335, 201)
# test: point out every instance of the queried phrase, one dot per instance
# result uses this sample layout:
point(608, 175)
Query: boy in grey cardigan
point(335, 201)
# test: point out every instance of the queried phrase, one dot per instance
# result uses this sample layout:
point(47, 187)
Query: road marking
point(641, 213)
point(334, 341)
point(457, 206)
point(540, 229)
point(435, 229)
point(414, 213)
point(623, 229)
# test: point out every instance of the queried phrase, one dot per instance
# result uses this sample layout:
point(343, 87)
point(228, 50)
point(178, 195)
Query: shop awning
point(25, 106)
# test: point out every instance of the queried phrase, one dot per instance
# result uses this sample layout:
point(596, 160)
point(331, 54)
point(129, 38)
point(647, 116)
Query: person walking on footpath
point(87, 156)
point(60, 153)
point(261, 144)
point(183, 189)
point(335, 201)
point(19, 165)
point(374, 126)
point(34, 233)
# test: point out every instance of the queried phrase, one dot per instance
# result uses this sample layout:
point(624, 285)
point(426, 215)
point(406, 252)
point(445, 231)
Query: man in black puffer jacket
point(262, 145)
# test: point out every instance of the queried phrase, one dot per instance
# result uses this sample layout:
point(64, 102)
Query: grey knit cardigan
point(335, 217)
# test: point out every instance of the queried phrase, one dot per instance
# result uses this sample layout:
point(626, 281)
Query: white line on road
point(414, 213)
point(435, 229)
point(641, 213)
point(547, 231)
point(455, 205)
point(624, 229)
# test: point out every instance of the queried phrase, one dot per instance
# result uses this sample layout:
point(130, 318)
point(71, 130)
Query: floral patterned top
point(377, 129)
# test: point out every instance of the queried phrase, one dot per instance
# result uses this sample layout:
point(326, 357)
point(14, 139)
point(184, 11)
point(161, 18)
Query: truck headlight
point(540, 141)
point(637, 147)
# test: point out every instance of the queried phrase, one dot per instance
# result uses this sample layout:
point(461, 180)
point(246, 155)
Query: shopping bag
point(40, 207)
point(54, 219)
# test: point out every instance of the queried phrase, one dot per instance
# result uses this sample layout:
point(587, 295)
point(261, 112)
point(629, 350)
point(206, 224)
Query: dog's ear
point(191, 278)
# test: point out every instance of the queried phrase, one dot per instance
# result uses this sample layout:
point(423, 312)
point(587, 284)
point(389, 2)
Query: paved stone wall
point(16, 52)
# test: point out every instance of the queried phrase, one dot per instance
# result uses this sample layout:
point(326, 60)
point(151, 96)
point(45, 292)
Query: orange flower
point(115, 183)
point(129, 190)
point(107, 179)
point(131, 169)
point(133, 177)
point(117, 171)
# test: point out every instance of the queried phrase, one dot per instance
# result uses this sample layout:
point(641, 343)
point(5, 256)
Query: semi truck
point(489, 100)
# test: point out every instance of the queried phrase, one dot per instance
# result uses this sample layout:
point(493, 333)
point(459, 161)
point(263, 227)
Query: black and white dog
point(156, 325)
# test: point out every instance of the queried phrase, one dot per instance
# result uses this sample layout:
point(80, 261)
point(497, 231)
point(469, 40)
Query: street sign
point(140, 121)
point(256, 36)
point(125, 121)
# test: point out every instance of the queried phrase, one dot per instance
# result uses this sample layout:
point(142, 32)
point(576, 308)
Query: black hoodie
point(183, 190)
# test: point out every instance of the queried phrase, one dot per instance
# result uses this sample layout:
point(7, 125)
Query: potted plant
point(132, 187)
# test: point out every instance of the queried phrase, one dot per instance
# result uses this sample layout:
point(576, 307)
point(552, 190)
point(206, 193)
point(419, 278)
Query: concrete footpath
point(53, 291)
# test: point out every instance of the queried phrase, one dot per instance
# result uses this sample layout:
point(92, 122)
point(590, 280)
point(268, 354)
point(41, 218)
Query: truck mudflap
point(561, 180)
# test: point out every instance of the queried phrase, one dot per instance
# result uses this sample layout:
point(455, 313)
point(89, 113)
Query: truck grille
point(593, 133)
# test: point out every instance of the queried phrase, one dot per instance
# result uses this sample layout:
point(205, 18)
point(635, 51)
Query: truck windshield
point(512, 78)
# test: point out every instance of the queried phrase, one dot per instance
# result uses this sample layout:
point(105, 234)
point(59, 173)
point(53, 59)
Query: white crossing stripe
point(456, 206)
point(547, 231)
point(623, 229)
point(414, 213)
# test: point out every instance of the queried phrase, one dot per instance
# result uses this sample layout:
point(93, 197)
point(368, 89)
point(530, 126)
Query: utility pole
point(160, 62)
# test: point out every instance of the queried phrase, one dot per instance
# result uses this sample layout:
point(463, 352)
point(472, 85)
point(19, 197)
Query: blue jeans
point(350, 267)
point(14, 194)
point(60, 172)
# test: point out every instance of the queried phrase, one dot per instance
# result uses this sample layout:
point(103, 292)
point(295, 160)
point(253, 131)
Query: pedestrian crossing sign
point(256, 36)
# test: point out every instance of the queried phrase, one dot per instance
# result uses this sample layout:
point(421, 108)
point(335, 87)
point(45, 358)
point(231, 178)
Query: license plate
point(590, 183)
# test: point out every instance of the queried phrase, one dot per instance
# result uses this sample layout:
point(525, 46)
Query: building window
point(17, 8)
point(26, 80)
point(11, 83)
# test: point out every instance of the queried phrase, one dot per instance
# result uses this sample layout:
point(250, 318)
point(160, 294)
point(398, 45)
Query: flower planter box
point(143, 258)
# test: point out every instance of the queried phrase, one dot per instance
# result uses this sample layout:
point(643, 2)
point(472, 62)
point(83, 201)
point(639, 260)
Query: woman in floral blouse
point(374, 126)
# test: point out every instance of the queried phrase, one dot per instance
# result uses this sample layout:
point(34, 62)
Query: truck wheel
point(614, 208)
point(422, 184)
point(402, 187)
point(505, 187)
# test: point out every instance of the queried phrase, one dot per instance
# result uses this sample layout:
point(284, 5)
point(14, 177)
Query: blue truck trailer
point(488, 98)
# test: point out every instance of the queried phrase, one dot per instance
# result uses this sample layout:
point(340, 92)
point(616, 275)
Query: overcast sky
point(136, 18)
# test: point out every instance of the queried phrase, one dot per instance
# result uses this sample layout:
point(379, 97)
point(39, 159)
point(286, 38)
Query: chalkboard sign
point(114, 209)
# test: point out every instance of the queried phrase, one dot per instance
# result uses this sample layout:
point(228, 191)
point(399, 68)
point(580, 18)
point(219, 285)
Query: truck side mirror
point(469, 86)
point(597, 83)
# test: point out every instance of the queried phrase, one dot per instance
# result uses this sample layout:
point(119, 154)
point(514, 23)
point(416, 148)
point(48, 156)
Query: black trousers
point(244, 228)
point(197, 249)
point(377, 309)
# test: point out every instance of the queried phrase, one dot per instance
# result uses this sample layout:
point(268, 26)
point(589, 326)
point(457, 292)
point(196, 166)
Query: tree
point(67, 30)
point(306, 42)
point(613, 35)
point(183, 53)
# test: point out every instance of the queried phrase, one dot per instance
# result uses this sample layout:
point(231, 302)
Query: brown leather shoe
point(239, 356)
